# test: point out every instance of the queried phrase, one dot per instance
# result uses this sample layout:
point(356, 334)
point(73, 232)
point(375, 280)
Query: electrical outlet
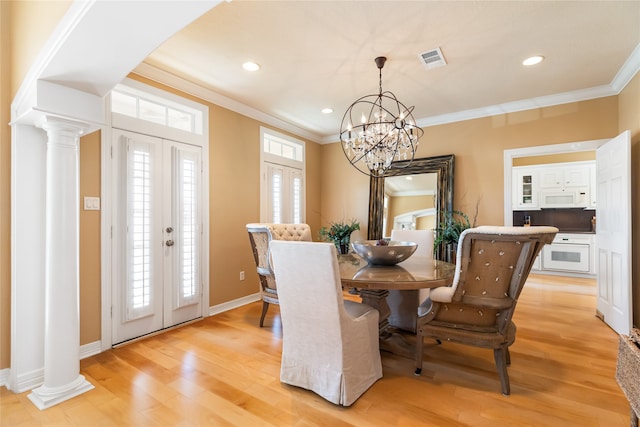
point(242, 275)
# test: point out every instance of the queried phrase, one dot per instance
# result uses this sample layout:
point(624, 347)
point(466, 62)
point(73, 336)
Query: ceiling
point(317, 54)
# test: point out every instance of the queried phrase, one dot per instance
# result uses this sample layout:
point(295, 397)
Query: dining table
point(373, 283)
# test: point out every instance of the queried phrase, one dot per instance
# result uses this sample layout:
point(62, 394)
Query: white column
point(62, 379)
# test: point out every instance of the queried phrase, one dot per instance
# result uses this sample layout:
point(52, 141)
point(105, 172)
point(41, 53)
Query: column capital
point(58, 125)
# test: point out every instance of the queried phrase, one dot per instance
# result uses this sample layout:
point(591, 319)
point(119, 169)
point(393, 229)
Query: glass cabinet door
point(526, 189)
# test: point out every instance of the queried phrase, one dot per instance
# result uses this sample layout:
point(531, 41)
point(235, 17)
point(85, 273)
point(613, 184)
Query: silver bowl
point(390, 254)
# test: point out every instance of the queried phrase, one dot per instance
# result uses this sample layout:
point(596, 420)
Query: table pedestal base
point(390, 339)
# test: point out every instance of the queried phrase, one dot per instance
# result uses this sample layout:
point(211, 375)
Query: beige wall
point(581, 156)
point(402, 204)
point(426, 223)
point(478, 146)
point(5, 187)
point(31, 25)
point(90, 270)
point(629, 119)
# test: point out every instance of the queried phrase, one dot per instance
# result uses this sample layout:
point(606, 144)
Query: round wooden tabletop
point(414, 273)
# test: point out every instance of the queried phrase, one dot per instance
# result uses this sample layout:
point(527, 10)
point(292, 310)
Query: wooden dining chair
point(260, 236)
point(492, 266)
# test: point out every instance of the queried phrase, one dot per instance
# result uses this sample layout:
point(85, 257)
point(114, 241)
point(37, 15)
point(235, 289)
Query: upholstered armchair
point(260, 235)
point(492, 266)
point(404, 304)
point(329, 345)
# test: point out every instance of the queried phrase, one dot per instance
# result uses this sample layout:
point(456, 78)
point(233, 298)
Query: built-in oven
point(567, 253)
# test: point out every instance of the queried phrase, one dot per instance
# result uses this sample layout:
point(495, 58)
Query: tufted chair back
point(260, 235)
point(492, 266)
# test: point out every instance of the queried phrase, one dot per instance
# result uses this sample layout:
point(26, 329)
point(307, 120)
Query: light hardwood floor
point(224, 371)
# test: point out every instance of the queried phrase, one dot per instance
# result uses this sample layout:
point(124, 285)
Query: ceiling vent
point(432, 58)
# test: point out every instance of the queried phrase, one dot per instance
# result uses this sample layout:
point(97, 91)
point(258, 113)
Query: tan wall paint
point(32, 23)
point(426, 223)
point(478, 146)
point(555, 158)
point(90, 287)
point(629, 119)
point(344, 191)
point(403, 204)
point(5, 187)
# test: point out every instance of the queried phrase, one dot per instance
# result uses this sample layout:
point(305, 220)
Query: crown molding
point(161, 76)
point(627, 72)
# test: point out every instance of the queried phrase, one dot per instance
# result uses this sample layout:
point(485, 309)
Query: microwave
point(576, 198)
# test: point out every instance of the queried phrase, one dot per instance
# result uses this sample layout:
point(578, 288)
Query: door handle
point(169, 243)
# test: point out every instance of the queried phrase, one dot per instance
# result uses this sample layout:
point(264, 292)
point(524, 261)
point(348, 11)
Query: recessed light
point(327, 110)
point(533, 60)
point(250, 66)
point(409, 178)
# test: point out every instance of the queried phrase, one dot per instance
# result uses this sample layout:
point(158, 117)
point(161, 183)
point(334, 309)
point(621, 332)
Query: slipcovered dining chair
point(492, 266)
point(260, 235)
point(329, 345)
point(404, 304)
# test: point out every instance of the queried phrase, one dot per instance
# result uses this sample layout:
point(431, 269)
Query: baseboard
point(90, 349)
point(230, 305)
point(4, 377)
point(26, 382)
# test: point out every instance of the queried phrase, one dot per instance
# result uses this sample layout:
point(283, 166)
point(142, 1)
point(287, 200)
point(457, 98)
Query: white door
point(156, 235)
point(613, 238)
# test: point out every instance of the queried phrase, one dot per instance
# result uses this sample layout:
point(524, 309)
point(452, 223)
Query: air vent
point(432, 58)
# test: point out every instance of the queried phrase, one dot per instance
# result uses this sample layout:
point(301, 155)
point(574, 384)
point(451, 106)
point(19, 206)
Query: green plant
point(452, 224)
point(339, 232)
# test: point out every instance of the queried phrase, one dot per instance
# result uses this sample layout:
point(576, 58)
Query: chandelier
point(377, 130)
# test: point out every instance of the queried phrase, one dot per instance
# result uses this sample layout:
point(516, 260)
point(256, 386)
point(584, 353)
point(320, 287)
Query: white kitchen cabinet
point(561, 177)
point(525, 188)
point(565, 185)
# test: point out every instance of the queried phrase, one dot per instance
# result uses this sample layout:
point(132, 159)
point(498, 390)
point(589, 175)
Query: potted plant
point(452, 224)
point(339, 233)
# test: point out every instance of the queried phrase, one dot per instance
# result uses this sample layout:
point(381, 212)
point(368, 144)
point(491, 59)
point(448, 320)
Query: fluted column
point(62, 379)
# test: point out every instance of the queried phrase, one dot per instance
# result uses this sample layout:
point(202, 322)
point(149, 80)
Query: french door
point(156, 235)
point(284, 194)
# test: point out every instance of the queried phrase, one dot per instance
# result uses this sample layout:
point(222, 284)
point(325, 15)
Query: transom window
point(283, 147)
point(129, 101)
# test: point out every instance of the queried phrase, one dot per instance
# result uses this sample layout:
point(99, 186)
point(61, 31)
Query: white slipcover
point(406, 305)
point(330, 345)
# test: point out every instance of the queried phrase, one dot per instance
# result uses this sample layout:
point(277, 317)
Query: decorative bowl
point(390, 254)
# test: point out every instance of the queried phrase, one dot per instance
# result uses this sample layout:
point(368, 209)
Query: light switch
point(92, 203)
